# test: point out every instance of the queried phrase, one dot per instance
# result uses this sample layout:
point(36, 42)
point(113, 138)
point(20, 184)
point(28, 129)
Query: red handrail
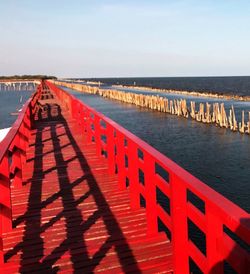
point(224, 224)
point(12, 158)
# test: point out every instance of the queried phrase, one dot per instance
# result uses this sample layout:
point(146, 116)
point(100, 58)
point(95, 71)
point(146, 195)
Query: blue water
point(239, 85)
point(11, 102)
point(218, 157)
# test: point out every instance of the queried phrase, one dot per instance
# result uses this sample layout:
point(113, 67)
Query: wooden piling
point(207, 113)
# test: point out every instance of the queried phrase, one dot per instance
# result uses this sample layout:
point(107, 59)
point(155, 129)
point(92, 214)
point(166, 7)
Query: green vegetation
point(27, 77)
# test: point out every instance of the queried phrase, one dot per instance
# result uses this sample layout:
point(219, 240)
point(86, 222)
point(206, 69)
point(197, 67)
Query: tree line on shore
point(27, 77)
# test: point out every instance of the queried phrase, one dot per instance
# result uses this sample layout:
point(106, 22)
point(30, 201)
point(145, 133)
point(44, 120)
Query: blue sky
point(125, 38)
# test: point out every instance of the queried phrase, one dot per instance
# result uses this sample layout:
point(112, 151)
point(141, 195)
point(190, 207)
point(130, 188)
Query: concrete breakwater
point(210, 113)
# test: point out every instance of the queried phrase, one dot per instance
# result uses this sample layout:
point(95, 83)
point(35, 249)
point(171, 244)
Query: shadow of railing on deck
point(34, 258)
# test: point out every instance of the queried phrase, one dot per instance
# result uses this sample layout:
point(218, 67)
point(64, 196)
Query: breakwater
point(210, 113)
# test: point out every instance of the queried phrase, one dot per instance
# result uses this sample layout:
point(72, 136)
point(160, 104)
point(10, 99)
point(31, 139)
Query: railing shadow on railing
point(186, 203)
point(12, 159)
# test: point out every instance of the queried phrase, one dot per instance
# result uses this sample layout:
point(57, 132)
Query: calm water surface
point(239, 85)
point(10, 102)
point(218, 157)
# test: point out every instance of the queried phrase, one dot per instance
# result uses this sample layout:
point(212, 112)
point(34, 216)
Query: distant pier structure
point(18, 85)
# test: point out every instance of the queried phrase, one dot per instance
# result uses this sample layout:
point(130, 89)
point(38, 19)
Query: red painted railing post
point(31, 116)
point(179, 231)
point(28, 120)
point(17, 164)
point(97, 135)
point(17, 180)
point(80, 118)
point(133, 175)
point(110, 148)
point(72, 109)
point(5, 203)
point(5, 196)
point(150, 190)
point(214, 237)
point(24, 134)
point(88, 123)
point(77, 115)
point(84, 119)
point(1, 245)
point(119, 140)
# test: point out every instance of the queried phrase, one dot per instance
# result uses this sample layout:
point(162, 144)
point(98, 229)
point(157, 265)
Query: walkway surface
point(70, 216)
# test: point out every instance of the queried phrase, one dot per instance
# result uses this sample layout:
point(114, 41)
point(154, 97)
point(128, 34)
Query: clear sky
point(105, 38)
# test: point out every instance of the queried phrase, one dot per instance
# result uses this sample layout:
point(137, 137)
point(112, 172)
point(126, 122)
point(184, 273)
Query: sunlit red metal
point(219, 214)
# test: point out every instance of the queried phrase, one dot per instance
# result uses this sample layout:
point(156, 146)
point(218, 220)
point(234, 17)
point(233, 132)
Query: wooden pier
point(79, 194)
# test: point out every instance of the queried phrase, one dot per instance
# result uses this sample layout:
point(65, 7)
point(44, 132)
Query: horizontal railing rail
point(205, 228)
point(12, 158)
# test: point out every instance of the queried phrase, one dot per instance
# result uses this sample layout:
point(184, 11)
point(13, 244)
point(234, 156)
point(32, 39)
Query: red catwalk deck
point(70, 216)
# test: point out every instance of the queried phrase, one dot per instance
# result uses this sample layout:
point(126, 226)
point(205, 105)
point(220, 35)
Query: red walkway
point(70, 215)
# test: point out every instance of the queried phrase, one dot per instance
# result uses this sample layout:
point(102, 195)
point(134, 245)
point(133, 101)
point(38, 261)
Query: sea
point(237, 85)
point(10, 103)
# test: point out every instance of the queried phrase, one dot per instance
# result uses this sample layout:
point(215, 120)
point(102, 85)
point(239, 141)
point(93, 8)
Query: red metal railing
point(12, 158)
point(225, 226)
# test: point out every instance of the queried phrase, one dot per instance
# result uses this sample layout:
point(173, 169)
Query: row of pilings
point(209, 113)
point(17, 86)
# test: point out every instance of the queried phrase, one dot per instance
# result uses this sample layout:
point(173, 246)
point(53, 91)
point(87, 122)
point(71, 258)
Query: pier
point(81, 194)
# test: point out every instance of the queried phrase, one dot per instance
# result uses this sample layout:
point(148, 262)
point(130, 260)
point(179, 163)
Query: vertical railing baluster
point(214, 236)
point(179, 233)
point(17, 162)
point(80, 117)
point(120, 160)
point(24, 134)
point(5, 198)
point(1, 241)
point(73, 108)
point(150, 190)
point(98, 135)
point(110, 148)
point(88, 123)
point(133, 175)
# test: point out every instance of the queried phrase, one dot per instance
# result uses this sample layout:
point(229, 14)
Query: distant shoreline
point(192, 93)
point(25, 77)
